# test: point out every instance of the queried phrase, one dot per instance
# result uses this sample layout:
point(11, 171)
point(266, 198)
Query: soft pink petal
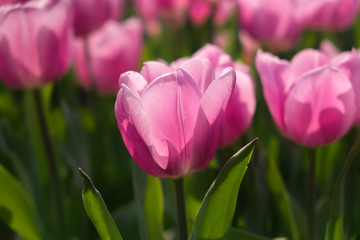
point(272, 70)
point(320, 108)
point(207, 129)
point(201, 71)
point(170, 104)
point(134, 142)
point(154, 69)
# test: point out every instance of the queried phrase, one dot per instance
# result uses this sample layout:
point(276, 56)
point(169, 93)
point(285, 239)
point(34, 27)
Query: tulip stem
point(311, 194)
point(180, 206)
point(51, 161)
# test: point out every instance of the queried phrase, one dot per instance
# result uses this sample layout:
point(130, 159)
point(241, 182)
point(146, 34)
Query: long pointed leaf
point(217, 209)
point(16, 208)
point(97, 211)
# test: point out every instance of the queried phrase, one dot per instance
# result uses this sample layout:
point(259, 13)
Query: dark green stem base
point(180, 206)
point(311, 194)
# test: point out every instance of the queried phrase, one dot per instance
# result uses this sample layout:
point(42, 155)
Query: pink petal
point(134, 81)
point(320, 108)
point(207, 129)
point(154, 69)
point(201, 71)
point(170, 104)
point(272, 70)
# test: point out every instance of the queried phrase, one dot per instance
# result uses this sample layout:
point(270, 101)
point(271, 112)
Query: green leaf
point(236, 234)
point(97, 211)
point(335, 227)
point(218, 207)
point(149, 204)
point(283, 201)
point(16, 208)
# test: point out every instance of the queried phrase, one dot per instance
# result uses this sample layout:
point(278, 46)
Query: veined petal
point(152, 70)
point(170, 104)
point(134, 81)
point(272, 70)
point(320, 108)
point(212, 107)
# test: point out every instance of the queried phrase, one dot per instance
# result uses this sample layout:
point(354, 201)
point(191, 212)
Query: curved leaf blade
point(217, 209)
point(16, 208)
point(97, 211)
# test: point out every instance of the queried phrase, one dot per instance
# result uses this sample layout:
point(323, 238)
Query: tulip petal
point(170, 104)
point(152, 70)
point(201, 70)
point(272, 70)
point(134, 81)
point(207, 129)
point(320, 107)
point(135, 131)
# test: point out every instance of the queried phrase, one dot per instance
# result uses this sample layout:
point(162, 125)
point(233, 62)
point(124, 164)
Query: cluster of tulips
point(175, 116)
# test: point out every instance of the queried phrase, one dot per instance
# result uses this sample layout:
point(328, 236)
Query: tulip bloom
point(170, 120)
point(313, 99)
point(334, 14)
point(275, 23)
point(110, 51)
point(35, 42)
point(241, 107)
point(91, 14)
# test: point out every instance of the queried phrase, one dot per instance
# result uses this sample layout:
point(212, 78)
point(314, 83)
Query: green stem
point(311, 194)
point(180, 206)
point(51, 161)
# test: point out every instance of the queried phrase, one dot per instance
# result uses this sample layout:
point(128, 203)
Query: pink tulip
point(313, 99)
point(152, 11)
point(275, 23)
point(112, 50)
point(241, 107)
point(35, 42)
point(170, 120)
point(330, 14)
point(200, 10)
point(91, 14)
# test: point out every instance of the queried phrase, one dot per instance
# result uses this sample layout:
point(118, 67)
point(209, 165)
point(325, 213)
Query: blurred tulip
point(91, 14)
point(329, 14)
point(4, 2)
point(35, 42)
point(200, 10)
point(112, 50)
point(275, 23)
point(313, 99)
point(170, 120)
point(241, 107)
point(173, 11)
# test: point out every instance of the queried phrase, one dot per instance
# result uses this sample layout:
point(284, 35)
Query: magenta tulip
point(35, 42)
point(275, 23)
point(170, 120)
point(313, 99)
point(333, 14)
point(91, 14)
point(5, 2)
point(112, 50)
point(241, 107)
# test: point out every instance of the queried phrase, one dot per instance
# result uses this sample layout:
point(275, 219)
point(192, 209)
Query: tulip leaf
point(16, 208)
point(218, 206)
point(97, 211)
point(335, 227)
point(283, 200)
point(149, 204)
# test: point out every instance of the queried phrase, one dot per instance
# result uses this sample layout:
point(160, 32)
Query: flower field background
point(294, 68)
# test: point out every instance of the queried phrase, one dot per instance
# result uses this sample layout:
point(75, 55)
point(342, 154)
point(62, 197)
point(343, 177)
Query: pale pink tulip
point(241, 107)
point(91, 14)
point(110, 51)
point(35, 42)
point(313, 99)
point(170, 120)
point(274, 23)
